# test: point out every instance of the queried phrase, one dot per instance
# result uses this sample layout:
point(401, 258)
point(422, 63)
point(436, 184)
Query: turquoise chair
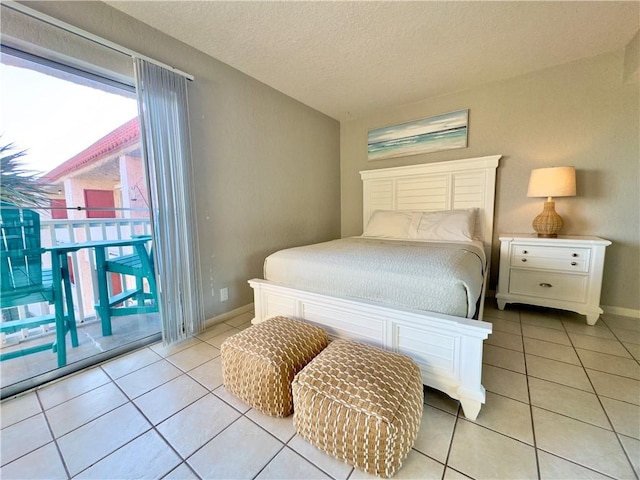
point(25, 282)
point(139, 264)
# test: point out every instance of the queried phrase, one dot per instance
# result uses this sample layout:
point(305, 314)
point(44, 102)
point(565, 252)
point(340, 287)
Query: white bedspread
point(438, 277)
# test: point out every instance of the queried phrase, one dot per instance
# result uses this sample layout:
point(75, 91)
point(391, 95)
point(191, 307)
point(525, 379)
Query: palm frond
point(18, 185)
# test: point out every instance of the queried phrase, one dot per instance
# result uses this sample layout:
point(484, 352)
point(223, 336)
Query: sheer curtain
point(164, 129)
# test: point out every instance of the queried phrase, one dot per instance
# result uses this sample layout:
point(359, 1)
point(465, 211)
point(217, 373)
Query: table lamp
point(551, 182)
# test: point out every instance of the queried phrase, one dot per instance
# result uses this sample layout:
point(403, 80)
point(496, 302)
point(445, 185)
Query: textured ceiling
point(346, 59)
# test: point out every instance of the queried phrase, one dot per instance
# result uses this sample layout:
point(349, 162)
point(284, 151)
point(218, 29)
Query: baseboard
point(623, 312)
point(227, 315)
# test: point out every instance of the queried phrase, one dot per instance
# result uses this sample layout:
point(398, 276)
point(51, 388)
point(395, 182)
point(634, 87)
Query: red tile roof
point(123, 136)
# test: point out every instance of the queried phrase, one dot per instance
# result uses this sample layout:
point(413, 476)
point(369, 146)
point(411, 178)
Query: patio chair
point(25, 282)
point(139, 264)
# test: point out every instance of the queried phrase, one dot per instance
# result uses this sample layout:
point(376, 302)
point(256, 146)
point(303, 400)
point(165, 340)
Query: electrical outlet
point(224, 294)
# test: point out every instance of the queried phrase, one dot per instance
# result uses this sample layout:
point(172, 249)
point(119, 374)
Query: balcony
point(127, 330)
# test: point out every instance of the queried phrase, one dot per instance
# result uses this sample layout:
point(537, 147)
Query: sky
point(54, 119)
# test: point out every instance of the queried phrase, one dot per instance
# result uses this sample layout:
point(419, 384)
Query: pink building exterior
point(112, 164)
point(108, 174)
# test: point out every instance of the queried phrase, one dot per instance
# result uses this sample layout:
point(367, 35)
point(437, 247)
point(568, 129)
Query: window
point(61, 51)
point(79, 130)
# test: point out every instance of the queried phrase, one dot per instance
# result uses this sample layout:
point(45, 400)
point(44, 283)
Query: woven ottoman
point(360, 404)
point(259, 363)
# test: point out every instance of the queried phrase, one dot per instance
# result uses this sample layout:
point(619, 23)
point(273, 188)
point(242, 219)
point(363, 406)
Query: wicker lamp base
point(548, 223)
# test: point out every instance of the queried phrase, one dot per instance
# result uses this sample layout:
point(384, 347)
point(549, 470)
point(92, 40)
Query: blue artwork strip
point(441, 132)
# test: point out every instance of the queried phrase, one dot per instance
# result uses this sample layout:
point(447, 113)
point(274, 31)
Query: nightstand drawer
point(571, 288)
point(550, 258)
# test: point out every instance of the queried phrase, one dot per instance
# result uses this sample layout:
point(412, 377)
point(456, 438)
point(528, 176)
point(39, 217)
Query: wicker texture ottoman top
point(259, 363)
point(360, 404)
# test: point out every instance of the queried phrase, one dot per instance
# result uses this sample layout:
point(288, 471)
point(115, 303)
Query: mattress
point(436, 277)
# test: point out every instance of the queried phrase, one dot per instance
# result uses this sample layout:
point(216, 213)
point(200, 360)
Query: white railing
point(55, 232)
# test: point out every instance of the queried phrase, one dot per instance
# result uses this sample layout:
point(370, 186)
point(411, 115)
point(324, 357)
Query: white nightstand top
point(561, 239)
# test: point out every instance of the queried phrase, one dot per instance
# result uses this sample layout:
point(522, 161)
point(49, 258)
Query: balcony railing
point(82, 265)
point(85, 294)
point(82, 262)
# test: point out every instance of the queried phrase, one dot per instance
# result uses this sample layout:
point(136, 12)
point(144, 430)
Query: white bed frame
point(448, 349)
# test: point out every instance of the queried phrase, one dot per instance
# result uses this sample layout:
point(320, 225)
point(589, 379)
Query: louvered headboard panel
point(450, 185)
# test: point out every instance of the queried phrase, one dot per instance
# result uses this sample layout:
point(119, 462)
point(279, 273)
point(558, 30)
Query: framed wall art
point(432, 134)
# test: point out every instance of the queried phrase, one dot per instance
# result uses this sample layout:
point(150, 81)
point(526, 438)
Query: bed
point(444, 337)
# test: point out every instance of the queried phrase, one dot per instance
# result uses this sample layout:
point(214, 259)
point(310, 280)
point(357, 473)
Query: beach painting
point(432, 134)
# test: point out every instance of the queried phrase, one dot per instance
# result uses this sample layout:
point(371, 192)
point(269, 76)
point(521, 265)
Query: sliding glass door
point(93, 253)
point(71, 149)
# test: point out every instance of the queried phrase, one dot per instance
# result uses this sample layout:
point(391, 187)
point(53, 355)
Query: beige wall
point(579, 114)
point(267, 168)
point(270, 173)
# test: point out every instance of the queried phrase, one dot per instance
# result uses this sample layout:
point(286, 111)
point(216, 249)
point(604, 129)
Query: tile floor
point(126, 330)
point(563, 401)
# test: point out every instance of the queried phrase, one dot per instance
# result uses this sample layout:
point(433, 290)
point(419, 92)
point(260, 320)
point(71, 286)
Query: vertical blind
point(164, 130)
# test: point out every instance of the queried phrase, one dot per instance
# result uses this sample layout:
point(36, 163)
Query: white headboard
point(449, 185)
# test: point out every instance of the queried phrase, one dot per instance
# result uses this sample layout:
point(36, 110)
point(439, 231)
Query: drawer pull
point(546, 285)
point(524, 259)
point(574, 255)
point(524, 252)
point(573, 264)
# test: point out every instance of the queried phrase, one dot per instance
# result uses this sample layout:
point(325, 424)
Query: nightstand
point(563, 272)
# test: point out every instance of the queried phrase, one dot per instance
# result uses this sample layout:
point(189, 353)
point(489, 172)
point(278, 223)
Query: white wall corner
point(631, 72)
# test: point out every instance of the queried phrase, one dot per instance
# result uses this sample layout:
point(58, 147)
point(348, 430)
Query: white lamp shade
point(552, 182)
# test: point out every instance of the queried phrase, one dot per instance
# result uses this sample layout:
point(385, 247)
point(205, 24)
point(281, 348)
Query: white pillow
point(393, 224)
point(447, 225)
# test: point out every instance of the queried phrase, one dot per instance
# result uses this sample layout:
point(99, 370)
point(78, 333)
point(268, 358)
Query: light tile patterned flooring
point(563, 401)
point(91, 342)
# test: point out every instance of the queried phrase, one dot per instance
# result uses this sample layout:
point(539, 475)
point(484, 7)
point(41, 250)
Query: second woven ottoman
point(360, 404)
point(259, 363)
